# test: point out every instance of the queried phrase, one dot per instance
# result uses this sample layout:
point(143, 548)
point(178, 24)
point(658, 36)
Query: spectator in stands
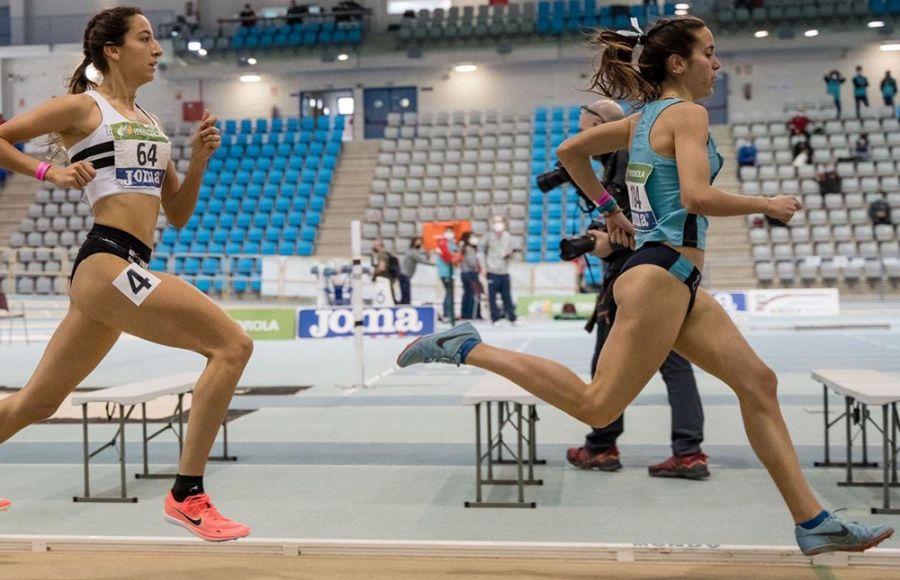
point(470, 275)
point(829, 180)
point(414, 256)
point(799, 124)
point(746, 154)
point(447, 259)
point(888, 89)
point(803, 154)
point(191, 17)
point(833, 82)
point(385, 265)
point(248, 16)
point(498, 252)
point(861, 148)
point(296, 12)
point(880, 212)
point(860, 90)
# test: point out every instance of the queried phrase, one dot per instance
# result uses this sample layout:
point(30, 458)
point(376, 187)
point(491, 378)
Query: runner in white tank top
point(119, 156)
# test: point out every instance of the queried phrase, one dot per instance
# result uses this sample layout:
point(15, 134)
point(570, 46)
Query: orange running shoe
point(200, 517)
point(4, 504)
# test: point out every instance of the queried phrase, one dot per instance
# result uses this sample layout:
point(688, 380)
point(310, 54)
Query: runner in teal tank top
point(660, 306)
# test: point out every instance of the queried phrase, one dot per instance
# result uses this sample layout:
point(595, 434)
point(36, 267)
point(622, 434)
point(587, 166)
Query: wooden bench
point(510, 399)
point(130, 395)
point(862, 388)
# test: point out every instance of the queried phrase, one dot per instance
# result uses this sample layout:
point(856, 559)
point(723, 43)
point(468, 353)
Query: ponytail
point(616, 77)
point(79, 81)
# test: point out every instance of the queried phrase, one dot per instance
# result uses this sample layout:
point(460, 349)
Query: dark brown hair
point(618, 78)
point(107, 27)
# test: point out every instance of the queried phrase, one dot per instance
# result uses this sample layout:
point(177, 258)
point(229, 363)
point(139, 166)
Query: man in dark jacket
point(599, 450)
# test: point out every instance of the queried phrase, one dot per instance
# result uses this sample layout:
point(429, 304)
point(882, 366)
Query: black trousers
point(684, 400)
point(405, 293)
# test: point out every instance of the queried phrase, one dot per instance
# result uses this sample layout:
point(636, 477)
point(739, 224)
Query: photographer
point(599, 450)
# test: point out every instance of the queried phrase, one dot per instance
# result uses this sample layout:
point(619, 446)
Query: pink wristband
point(603, 199)
point(41, 172)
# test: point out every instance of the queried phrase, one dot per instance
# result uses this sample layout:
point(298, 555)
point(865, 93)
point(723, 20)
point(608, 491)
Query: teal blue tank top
point(654, 191)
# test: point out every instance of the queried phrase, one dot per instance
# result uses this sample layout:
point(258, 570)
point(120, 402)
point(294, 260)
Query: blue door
point(377, 103)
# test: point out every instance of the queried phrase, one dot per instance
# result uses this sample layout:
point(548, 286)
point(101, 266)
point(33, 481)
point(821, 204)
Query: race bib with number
point(642, 216)
point(142, 154)
point(136, 283)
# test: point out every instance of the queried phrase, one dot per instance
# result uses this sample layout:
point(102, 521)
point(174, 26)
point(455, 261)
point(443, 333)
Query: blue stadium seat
point(286, 248)
point(282, 204)
point(239, 286)
point(295, 219)
point(244, 219)
point(269, 249)
point(237, 235)
point(304, 248)
point(169, 236)
point(244, 266)
point(250, 248)
point(203, 235)
point(232, 248)
point(308, 233)
point(289, 234)
point(254, 191)
point(255, 234)
point(191, 266)
point(260, 220)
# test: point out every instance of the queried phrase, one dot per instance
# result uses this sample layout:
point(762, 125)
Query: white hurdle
point(356, 302)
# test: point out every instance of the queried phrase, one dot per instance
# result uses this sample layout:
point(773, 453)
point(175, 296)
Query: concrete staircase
point(349, 197)
point(15, 198)
point(729, 264)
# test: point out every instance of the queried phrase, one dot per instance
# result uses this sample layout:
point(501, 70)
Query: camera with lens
point(577, 246)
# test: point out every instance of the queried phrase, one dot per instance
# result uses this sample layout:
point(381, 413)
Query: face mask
point(449, 236)
point(499, 227)
point(473, 241)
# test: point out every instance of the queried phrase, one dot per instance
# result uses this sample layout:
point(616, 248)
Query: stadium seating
point(832, 240)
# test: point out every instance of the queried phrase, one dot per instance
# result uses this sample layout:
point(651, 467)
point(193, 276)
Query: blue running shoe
point(838, 535)
point(441, 347)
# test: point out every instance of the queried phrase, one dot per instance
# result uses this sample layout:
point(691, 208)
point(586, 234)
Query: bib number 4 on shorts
point(136, 283)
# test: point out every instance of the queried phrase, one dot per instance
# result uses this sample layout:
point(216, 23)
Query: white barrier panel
point(794, 302)
point(289, 276)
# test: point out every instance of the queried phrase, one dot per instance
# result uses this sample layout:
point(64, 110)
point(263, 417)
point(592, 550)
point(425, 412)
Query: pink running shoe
point(200, 517)
point(4, 504)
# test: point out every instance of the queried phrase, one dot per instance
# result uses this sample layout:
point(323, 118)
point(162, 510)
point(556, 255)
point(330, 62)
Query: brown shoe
point(694, 466)
point(604, 461)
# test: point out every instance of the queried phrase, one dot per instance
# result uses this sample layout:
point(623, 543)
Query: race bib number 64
point(136, 283)
point(142, 154)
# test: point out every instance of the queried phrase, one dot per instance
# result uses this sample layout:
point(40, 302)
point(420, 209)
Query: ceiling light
point(194, 45)
point(681, 13)
point(875, 24)
point(761, 33)
point(250, 78)
point(811, 33)
point(202, 52)
point(682, 6)
point(342, 57)
point(890, 46)
point(251, 61)
point(465, 68)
